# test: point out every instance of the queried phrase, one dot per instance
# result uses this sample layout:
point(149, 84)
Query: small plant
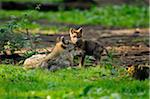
point(10, 40)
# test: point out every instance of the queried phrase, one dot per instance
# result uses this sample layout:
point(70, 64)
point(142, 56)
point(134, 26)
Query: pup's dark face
point(75, 35)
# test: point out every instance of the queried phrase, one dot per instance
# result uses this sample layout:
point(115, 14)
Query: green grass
point(84, 83)
point(127, 16)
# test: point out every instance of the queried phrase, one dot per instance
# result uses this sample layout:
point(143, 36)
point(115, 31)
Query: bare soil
point(127, 45)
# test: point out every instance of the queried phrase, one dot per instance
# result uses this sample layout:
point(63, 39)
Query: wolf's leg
point(97, 54)
point(97, 61)
point(70, 58)
point(81, 60)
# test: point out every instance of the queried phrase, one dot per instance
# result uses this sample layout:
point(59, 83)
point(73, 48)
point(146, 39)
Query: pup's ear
point(80, 30)
point(57, 39)
point(71, 31)
point(62, 39)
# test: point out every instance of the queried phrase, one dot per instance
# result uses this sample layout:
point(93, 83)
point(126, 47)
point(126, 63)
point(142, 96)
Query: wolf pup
point(41, 60)
point(86, 47)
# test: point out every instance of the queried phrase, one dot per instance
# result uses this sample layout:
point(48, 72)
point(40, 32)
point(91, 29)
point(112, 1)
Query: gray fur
point(91, 48)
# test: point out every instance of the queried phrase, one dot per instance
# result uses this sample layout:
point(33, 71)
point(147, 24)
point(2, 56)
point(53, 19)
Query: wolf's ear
point(57, 39)
point(71, 31)
point(62, 39)
point(80, 30)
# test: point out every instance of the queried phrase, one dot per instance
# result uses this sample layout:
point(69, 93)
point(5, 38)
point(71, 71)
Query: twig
point(31, 41)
